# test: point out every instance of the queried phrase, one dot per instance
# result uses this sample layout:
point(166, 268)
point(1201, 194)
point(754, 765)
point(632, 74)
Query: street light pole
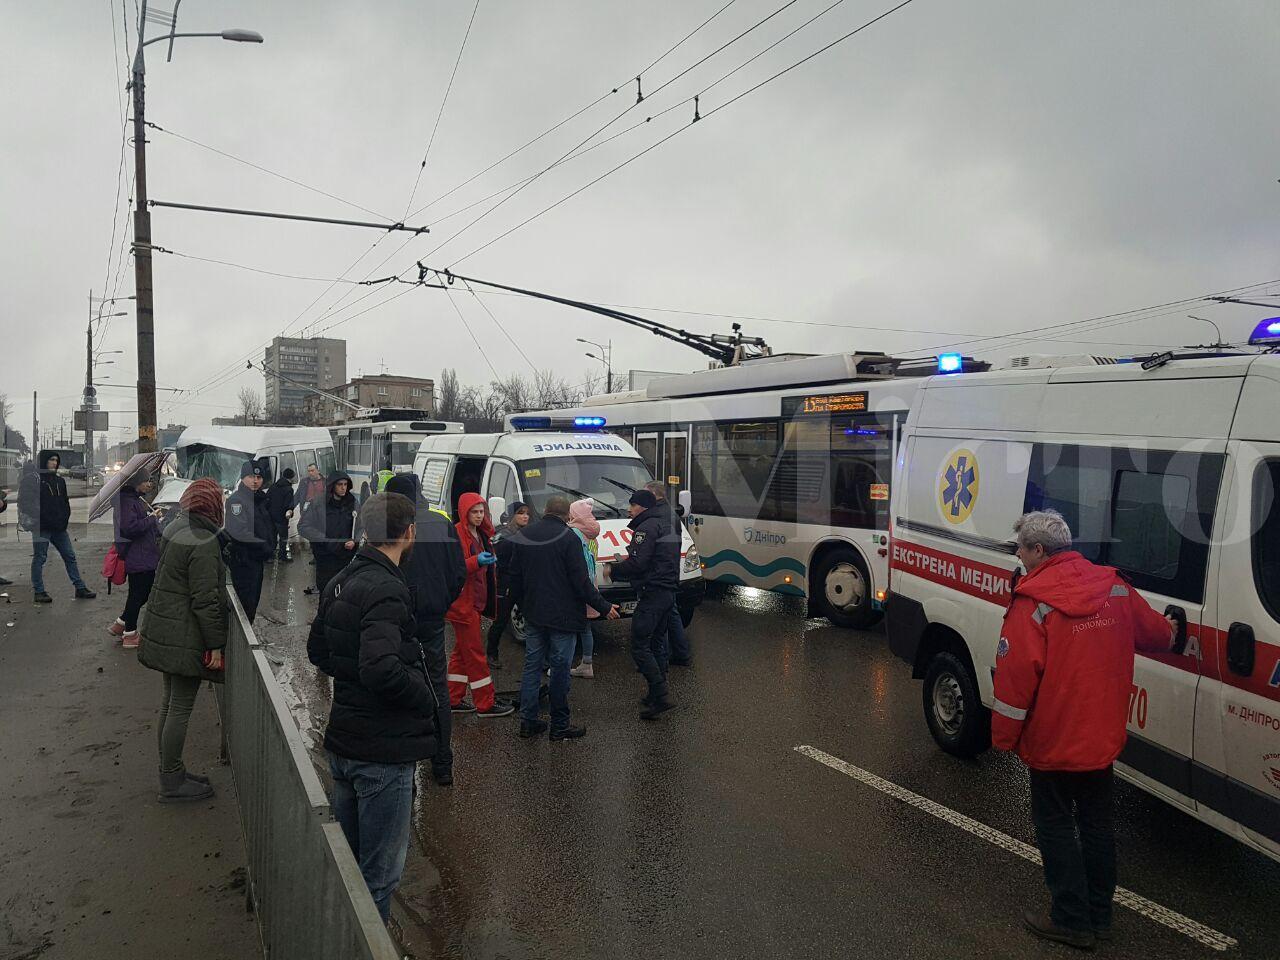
point(606, 357)
point(142, 226)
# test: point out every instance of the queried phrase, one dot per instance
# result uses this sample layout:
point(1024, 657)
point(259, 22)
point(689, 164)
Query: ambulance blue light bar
point(1268, 331)
point(557, 423)
point(950, 362)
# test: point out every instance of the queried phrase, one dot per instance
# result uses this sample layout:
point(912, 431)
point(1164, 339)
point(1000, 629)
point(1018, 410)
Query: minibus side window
point(325, 461)
point(1266, 539)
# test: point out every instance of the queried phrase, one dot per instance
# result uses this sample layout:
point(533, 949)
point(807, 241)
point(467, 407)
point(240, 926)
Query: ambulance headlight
point(692, 562)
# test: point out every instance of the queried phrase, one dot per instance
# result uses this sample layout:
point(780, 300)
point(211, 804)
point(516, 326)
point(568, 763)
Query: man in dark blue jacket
point(653, 567)
point(551, 586)
point(252, 535)
point(382, 721)
point(45, 510)
point(435, 572)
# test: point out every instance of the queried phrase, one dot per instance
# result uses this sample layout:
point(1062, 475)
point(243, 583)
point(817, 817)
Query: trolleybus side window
point(834, 472)
point(745, 456)
point(702, 488)
point(1148, 513)
point(340, 447)
point(1266, 537)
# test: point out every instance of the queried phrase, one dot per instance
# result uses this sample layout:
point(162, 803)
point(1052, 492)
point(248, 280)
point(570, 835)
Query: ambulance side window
point(1147, 512)
point(1266, 538)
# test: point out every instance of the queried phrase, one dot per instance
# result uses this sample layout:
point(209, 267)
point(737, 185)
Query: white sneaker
point(584, 670)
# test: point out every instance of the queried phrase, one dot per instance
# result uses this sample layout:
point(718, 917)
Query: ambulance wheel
point(516, 629)
point(842, 590)
point(957, 719)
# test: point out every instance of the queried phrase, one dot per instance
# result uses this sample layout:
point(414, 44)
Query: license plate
point(628, 607)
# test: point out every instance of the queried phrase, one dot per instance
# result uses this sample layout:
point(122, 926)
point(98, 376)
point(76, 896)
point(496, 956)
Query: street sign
point(98, 424)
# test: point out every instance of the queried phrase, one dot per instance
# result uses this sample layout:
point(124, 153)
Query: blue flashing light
point(1268, 331)
point(588, 422)
point(950, 362)
point(531, 423)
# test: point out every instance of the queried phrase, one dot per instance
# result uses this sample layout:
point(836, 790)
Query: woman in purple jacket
point(137, 535)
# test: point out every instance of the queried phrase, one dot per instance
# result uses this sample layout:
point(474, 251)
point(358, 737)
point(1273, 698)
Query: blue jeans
point(544, 646)
point(587, 640)
point(61, 541)
point(373, 802)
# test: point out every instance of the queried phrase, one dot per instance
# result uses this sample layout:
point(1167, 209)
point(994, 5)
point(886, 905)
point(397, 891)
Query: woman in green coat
point(184, 628)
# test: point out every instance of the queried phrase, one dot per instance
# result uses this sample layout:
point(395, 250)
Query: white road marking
point(1127, 898)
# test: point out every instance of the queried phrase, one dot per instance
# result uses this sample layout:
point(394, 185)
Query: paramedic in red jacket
point(1064, 671)
point(468, 668)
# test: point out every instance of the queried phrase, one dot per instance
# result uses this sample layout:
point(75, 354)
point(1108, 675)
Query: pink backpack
point(113, 567)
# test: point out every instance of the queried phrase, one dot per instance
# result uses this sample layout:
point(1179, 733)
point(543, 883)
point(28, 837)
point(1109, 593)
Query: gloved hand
point(485, 558)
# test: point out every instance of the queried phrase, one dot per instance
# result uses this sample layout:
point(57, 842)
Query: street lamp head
point(242, 36)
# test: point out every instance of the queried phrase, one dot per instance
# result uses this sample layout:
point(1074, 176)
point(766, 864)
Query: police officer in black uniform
point(251, 534)
point(653, 567)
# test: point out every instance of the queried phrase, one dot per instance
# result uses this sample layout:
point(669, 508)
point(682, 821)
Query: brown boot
point(1041, 924)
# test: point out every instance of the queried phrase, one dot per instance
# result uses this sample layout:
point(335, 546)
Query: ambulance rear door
point(1245, 646)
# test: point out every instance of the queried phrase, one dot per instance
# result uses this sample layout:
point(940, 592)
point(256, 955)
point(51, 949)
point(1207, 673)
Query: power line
point(606, 126)
point(443, 100)
point(269, 172)
point(573, 116)
point(485, 307)
point(467, 326)
point(234, 366)
point(677, 131)
point(1104, 317)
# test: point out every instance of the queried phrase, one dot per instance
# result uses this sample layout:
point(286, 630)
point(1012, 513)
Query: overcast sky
point(959, 168)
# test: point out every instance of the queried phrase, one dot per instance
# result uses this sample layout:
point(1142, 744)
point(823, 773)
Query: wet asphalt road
point(707, 835)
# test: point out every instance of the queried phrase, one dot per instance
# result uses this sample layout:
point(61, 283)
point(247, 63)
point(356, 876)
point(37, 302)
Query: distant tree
point(250, 404)
point(448, 395)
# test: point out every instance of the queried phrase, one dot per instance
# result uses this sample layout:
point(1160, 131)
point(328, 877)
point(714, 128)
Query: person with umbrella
point(137, 539)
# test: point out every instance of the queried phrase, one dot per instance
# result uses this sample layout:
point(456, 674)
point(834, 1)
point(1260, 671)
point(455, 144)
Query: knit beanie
point(643, 498)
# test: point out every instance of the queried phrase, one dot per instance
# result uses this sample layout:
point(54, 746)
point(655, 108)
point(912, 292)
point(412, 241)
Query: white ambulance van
point(545, 457)
point(1167, 469)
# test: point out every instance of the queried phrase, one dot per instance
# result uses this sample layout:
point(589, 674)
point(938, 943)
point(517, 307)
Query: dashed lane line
point(1127, 898)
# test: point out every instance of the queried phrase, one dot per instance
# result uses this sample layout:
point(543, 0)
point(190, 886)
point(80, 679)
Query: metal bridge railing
point(311, 901)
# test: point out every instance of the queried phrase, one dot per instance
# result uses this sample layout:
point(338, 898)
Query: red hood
point(465, 503)
point(1069, 583)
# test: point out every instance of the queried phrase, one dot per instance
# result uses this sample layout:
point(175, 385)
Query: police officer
point(251, 533)
point(653, 567)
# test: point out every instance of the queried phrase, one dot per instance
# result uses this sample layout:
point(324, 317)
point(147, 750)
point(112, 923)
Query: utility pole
point(142, 256)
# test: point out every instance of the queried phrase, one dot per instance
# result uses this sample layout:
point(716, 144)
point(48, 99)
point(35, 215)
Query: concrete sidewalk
point(93, 865)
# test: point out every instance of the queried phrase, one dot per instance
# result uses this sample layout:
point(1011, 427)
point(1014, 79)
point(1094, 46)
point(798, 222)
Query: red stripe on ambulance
point(980, 580)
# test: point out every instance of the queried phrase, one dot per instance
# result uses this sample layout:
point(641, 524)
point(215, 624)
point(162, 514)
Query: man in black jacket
point(435, 572)
point(653, 567)
point(45, 510)
point(4, 505)
point(280, 507)
point(252, 533)
point(679, 653)
point(550, 584)
point(382, 721)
